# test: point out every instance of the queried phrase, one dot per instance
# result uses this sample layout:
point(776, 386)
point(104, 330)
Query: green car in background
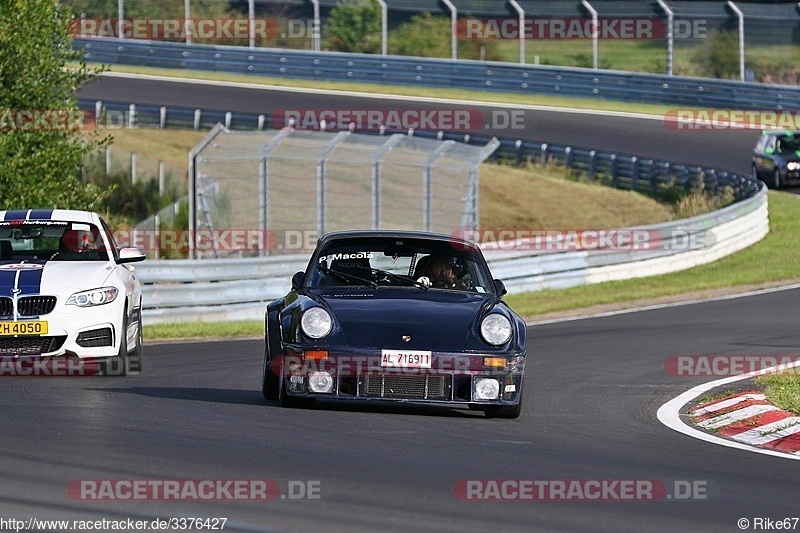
point(777, 156)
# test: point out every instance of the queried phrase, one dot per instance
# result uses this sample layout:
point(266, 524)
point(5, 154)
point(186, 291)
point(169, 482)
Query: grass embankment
point(782, 389)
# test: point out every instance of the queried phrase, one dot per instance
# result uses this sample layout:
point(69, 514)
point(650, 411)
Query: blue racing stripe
point(7, 281)
point(17, 214)
point(30, 281)
point(41, 214)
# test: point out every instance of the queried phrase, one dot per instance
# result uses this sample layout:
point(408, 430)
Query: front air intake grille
point(35, 305)
point(95, 338)
point(6, 306)
point(406, 387)
point(30, 345)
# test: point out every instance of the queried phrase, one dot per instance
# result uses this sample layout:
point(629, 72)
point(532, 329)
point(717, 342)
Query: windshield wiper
point(346, 276)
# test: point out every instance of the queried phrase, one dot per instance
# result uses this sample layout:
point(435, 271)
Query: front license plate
point(32, 327)
point(405, 358)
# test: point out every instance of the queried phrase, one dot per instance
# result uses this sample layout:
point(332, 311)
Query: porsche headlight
point(316, 322)
point(93, 297)
point(496, 329)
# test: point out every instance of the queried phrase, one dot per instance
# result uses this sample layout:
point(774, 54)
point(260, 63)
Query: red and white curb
point(746, 420)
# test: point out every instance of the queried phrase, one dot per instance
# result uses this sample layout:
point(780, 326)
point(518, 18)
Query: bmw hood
point(51, 277)
point(435, 320)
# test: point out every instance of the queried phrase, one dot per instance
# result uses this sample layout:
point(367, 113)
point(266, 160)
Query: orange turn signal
point(316, 354)
point(495, 362)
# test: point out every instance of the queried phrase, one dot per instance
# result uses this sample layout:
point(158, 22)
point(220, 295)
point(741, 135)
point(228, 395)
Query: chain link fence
point(277, 191)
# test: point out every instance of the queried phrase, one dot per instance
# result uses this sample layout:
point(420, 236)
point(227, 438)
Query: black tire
point(136, 357)
point(120, 364)
point(269, 382)
point(756, 175)
point(776, 179)
point(291, 402)
point(503, 411)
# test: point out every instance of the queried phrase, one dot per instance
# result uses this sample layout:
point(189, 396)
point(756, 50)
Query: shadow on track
point(195, 394)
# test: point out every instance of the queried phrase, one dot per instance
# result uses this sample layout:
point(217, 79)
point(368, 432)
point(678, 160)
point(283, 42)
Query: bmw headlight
point(93, 297)
point(496, 329)
point(792, 165)
point(316, 322)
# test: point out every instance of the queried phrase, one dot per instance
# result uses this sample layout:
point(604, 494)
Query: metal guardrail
point(443, 73)
point(237, 289)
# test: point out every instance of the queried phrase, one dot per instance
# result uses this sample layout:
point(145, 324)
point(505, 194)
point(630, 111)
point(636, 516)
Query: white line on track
point(381, 96)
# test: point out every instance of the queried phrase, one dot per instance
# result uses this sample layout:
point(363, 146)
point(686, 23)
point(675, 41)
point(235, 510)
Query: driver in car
point(441, 274)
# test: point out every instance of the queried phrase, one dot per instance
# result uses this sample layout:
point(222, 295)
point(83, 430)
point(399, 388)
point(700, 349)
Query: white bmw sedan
point(67, 289)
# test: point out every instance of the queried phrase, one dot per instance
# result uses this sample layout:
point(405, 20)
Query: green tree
point(427, 35)
point(719, 55)
point(354, 26)
point(39, 75)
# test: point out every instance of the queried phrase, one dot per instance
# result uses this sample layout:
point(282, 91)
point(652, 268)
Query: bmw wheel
point(135, 357)
point(776, 179)
point(120, 364)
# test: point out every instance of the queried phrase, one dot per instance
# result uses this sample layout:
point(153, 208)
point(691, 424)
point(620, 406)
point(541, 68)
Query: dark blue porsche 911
point(395, 316)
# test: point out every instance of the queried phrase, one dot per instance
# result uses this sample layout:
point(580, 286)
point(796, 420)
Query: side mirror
point(297, 280)
point(130, 254)
point(500, 288)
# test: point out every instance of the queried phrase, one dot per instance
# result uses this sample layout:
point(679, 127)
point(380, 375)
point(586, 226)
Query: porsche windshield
point(51, 240)
point(399, 262)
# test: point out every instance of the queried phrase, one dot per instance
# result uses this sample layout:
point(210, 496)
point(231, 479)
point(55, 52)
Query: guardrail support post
point(670, 34)
point(384, 27)
point(634, 172)
point(120, 18)
point(162, 122)
point(593, 164)
point(133, 167)
point(614, 169)
point(595, 31)
point(453, 22)
point(188, 25)
point(132, 115)
point(251, 17)
point(568, 157)
point(740, 15)
point(197, 114)
point(521, 13)
point(315, 28)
